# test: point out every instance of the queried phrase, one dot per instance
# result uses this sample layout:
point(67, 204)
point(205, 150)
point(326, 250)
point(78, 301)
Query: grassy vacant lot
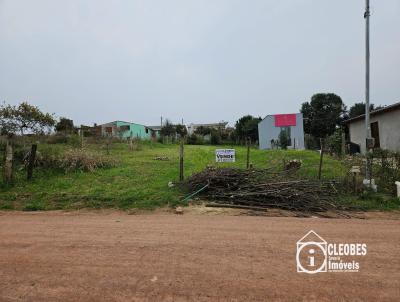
point(139, 181)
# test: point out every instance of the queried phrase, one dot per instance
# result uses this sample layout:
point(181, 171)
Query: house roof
point(130, 123)
point(210, 124)
point(114, 122)
point(121, 122)
point(155, 128)
point(385, 109)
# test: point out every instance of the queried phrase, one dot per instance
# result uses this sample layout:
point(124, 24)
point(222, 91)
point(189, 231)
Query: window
point(124, 128)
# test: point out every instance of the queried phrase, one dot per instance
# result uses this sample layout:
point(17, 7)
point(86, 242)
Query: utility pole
point(368, 140)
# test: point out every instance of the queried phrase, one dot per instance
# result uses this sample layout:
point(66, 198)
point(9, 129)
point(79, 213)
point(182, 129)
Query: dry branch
point(264, 189)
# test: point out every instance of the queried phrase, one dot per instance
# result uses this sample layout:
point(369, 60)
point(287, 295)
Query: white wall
point(267, 131)
point(389, 130)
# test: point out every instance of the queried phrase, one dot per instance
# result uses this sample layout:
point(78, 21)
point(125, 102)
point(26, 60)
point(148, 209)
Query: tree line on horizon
point(323, 117)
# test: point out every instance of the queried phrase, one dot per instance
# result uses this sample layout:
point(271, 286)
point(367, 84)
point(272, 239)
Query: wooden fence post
point(321, 142)
point(181, 160)
point(31, 162)
point(8, 162)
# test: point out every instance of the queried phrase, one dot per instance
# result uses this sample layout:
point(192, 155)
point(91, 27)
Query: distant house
point(156, 131)
point(271, 126)
point(385, 128)
point(90, 130)
point(126, 130)
point(191, 128)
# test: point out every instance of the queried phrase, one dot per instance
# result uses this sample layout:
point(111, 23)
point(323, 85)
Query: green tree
point(334, 142)
point(65, 125)
point(323, 114)
point(215, 137)
point(359, 109)
point(201, 130)
point(195, 139)
point(284, 139)
point(168, 129)
point(247, 126)
point(17, 119)
point(181, 130)
point(24, 117)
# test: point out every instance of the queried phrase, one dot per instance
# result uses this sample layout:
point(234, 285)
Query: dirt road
point(58, 256)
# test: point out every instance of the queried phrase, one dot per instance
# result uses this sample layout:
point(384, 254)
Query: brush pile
point(263, 189)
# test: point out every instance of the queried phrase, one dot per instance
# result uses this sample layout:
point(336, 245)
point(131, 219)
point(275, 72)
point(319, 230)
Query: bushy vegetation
point(283, 140)
point(85, 160)
point(333, 143)
point(323, 114)
point(386, 169)
point(24, 117)
point(62, 157)
point(247, 128)
point(195, 139)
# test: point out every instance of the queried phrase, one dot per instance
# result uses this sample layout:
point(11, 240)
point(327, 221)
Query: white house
point(385, 128)
point(191, 128)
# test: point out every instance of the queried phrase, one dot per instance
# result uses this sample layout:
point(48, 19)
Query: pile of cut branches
point(264, 189)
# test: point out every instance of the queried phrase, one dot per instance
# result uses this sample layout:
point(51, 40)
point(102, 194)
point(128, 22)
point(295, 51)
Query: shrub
point(73, 140)
point(33, 206)
point(48, 157)
point(310, 142)
point(6, 206)
point(386, 169)
point(195, 139)
point(56, 157)
point(57, 139)
point(215, 138)
point(85, 160)
point(334, 142)
point(283, 140)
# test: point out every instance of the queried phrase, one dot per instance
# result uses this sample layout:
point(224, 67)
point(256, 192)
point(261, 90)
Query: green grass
point(139, 181)
point(371, 201)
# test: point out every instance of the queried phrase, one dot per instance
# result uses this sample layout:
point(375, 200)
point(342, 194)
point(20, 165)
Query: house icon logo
point(311, 256)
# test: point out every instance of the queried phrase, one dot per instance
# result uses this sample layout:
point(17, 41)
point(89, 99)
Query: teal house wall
point(134, 131)
point(126, 130)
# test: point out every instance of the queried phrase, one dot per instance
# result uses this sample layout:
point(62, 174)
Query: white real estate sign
point(225, 155)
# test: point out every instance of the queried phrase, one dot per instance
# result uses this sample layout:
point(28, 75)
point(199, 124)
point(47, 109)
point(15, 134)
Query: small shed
point(271, 126)
point(385, 128)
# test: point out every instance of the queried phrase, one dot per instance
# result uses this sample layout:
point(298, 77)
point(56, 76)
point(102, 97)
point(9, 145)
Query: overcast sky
point(200, 60)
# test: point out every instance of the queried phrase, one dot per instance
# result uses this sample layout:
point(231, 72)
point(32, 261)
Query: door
point(375, 134)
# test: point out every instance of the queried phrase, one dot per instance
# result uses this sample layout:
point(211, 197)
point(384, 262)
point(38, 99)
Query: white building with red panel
point(271, 126)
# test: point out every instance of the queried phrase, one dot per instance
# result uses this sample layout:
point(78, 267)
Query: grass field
point(139, 181)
